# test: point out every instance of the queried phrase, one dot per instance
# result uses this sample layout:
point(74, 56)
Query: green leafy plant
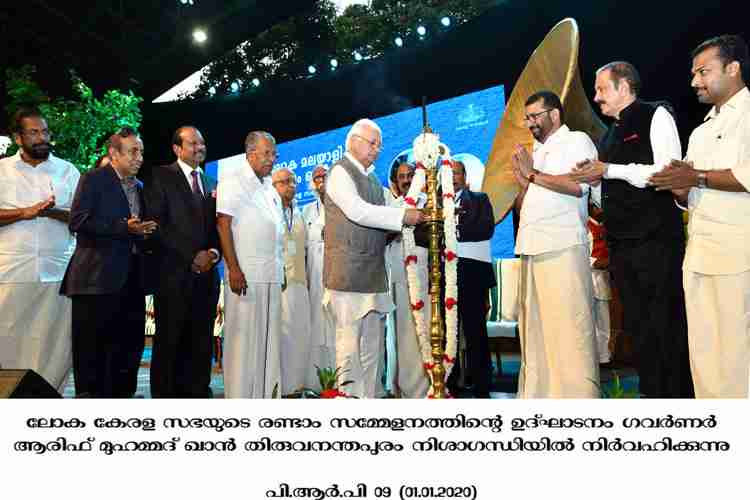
point(79, 125)
point(329, 385)
point(615, 390)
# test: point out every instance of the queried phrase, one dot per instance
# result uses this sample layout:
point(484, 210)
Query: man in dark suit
point(182, 201)
point(107, 277)
point(476, 225)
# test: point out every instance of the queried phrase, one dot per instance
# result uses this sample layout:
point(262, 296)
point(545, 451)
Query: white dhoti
point(252, 366)
point(718, 314)
point(296, 364)
point(323, 332)
point(602, 296)
point(411, 378)
point(556, 328)
point(35, 330)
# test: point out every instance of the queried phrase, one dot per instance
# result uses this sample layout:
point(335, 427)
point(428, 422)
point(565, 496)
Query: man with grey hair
point(645, 233)
point(251, 230)
point(323, 341)
point(354, 276)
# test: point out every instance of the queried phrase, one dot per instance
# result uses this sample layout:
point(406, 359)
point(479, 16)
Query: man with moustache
point(296, 364)
point(713, 182)
point(354, 272)
point(182, 200)
point(405, 366)
point(323, 341)
point(108, 276)
point(251, 229)
point(645, 232)
point(556, 326)
point(35, 247)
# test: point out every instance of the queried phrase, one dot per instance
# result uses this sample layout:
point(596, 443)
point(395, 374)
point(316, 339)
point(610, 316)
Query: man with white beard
point(296, 363)
point(323, 333)
point(405, 368)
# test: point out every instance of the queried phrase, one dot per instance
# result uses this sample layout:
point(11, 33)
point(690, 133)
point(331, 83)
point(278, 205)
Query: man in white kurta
point(323, 333)
point(716, 179)
point(296, 364)
point(36, 189)
point(405, 369)
point(359, 317)
point(251, 230)
point(558, 351)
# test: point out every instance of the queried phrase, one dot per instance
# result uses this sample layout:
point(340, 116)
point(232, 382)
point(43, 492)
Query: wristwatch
point(532, 177)
point(702, 180)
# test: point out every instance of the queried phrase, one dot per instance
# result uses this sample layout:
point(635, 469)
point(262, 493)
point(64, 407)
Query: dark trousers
point(472, 319)
point(185, 308)
point(648, 275)
point(108, 339)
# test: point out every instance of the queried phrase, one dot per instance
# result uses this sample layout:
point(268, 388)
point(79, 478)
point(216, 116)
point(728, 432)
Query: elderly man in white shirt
point(251, 230)
point(35, 247)
point(556, 326)
point(323, 335)
point(354, 273)
point(714, 181)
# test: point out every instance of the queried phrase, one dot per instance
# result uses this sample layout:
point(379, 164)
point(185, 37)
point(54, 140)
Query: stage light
point(212, 91)
point(256, 82)
point(187, 2)
point(421, 31)
point(200, 36)
point(311, 69)
point(399, 41)
point(357, 56)
point(334, 64)
point(235, 86)
point(446, 21)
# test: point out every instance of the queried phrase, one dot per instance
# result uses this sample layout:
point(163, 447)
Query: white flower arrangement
point(427, 149)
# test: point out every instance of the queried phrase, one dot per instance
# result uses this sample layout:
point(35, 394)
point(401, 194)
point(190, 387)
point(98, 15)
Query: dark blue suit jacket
point(98, 217)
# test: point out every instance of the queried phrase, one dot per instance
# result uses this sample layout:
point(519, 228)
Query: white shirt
point(665, 144)
point(187, 171)
point(37, 250)
point(719, 227)
point(257, 224)
point(552, 221)
point(351, 306)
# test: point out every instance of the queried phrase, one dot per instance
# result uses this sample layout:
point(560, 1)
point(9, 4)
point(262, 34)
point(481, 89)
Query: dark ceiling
point(141, 45)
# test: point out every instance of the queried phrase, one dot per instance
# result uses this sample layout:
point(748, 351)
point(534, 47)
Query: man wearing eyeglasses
point(296, 361)
point(645, 232)
point(556, 327)
point(323, 342)
point(35, 246)
point(354, 274)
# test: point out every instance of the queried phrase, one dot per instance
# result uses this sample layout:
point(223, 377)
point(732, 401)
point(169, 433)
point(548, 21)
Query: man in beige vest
point(296, 364)
point(354, 276)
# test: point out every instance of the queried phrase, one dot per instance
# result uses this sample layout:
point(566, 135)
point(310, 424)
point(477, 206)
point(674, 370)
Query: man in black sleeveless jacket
point(645, 232)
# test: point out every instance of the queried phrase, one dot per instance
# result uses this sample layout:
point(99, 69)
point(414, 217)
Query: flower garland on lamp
point(427, 149)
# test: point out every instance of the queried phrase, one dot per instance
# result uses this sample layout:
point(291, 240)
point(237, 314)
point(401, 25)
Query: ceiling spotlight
point(235, 86)
point(200, 36)
point(446, 21)
point(421, 30)
point(399, 41)
point(311, 69)
point(256, 82)
point(334, 64)
point(357, 56)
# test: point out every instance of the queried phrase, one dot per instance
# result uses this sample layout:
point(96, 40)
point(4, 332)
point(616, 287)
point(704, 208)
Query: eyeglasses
point(34, 133)
point(290, 181)
point(373, 144)
point(533, 116)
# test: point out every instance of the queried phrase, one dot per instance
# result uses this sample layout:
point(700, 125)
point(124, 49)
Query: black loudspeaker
point(25, 384)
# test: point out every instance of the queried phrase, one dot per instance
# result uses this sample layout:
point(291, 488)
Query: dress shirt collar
point(357, 164)
point(556, 136)
point(187, 169)
point(40, 166)
point(734, 102)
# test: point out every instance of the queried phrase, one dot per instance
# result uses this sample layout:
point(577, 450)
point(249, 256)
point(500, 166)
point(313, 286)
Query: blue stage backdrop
point(466, 124)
